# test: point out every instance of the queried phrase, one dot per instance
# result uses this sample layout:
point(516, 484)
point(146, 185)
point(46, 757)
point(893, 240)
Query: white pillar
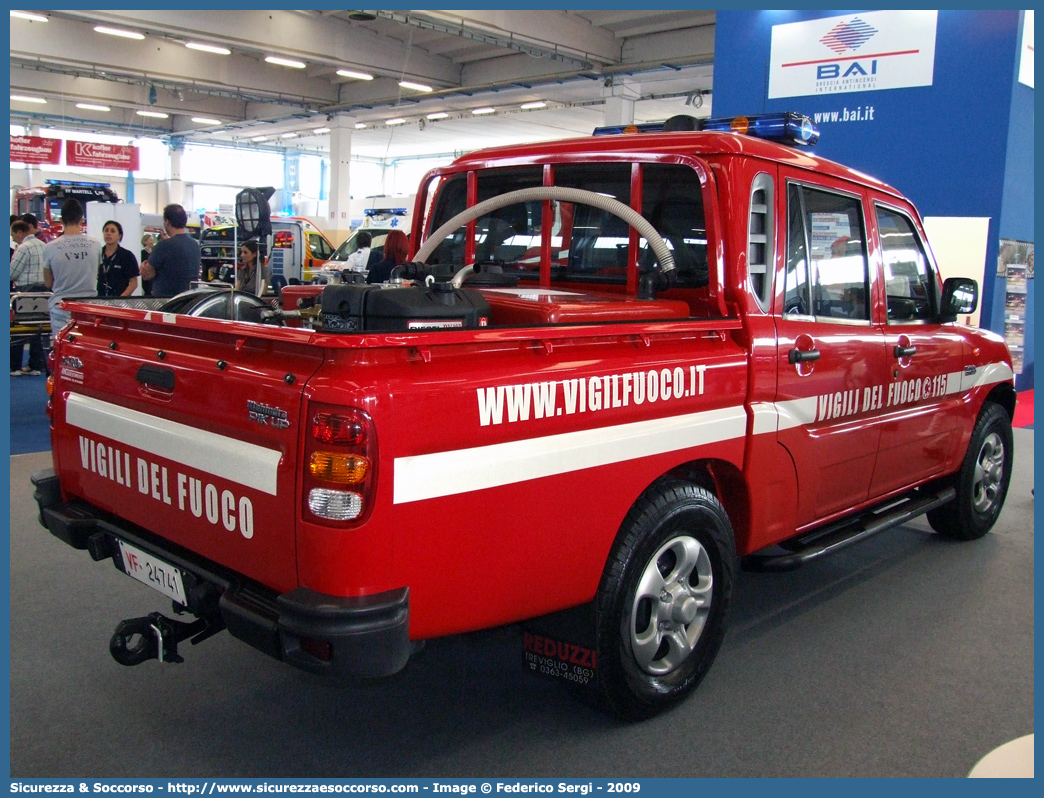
point(338, 220)
point(175, 188)
point(30, 173)
point(619, 101)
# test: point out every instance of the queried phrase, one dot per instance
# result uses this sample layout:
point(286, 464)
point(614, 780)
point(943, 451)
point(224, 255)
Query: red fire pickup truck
point(617, 369)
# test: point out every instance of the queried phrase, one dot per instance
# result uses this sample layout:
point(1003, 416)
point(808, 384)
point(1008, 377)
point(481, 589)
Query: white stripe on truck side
point(429, 476)
point(237, 461)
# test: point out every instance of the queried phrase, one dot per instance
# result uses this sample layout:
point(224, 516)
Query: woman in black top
point(147, 243)
point(249, 269)
point(118, 272)
point(396, 251)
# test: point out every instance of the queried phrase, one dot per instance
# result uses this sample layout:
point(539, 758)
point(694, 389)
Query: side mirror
point(960, 296)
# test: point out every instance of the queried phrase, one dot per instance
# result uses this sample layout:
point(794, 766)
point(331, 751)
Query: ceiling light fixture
point(208, 48)
point(153, 114)
point(531, 106)
point(481, 111)
point(259, 138)
point(20, 98)
point(397, 121)
point(347, 73)
point(274, 59)
point(360, 125)
point(290, 135)
point(92, 107)
point(202, 120)
point(438, 115)
point(415, 86)
point(320, 130)
point(126, 34)
point(29, 16)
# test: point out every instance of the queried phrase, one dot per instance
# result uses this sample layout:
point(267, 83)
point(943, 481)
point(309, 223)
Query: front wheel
point(982, 482)
point(664, 599)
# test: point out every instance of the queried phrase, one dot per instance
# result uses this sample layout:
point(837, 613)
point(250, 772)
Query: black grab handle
point(802, 355)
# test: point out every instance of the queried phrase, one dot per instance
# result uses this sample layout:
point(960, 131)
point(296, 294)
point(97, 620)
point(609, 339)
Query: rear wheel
point(982, 483)
point(664, 599)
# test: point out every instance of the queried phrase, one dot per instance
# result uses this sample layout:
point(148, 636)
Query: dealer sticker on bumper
point(153, 572)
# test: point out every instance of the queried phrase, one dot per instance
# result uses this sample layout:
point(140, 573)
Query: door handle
point(904, 351)
point(156, 377)
point(802, 355)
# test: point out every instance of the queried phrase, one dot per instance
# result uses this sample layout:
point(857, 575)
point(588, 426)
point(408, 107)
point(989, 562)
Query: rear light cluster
point(50, 383)
point(340, 464)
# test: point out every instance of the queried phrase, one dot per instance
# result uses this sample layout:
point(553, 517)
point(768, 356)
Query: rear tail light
point(335, 505)
point(345, 469)
point(341, 457)
point(337, 428)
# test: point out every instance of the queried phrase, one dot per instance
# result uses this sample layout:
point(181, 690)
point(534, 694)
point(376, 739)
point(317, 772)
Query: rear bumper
point(335, 636)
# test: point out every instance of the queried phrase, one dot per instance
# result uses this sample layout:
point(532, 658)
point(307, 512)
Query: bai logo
point(871, 51)
point(843, 37)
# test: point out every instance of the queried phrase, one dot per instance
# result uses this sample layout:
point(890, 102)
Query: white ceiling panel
point(572, 60)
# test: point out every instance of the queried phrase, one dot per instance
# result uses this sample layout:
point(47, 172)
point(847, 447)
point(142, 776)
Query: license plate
point(153, 572)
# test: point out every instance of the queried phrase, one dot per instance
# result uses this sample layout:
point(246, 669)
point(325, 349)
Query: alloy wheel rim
point(671, 605)
point(989, 474)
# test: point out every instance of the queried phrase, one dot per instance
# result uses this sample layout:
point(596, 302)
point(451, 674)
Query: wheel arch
point(1003, 394)
point(725, 481)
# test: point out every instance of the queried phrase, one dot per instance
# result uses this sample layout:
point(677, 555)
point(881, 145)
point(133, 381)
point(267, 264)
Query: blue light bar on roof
point(384, 211)
point(645, 127)
point(77, 183)
point(784, 128)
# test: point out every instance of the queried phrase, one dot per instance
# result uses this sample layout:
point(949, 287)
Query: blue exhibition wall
point(961, 146)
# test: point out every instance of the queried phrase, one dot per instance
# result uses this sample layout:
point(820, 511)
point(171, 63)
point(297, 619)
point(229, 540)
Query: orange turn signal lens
point(50, 385)
point(740, 125)
point(346, 469)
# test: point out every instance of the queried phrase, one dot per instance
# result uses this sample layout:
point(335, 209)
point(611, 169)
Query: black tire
point(982, 482)
point(653, 650)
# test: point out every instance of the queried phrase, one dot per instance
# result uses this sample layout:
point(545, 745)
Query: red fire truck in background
point(45, 202)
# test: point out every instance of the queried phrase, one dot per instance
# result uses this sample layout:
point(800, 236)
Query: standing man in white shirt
point(70, 265)
point(358, 260)
point(27, 267)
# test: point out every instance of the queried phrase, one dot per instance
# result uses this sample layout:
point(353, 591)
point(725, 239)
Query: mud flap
point(562, 646)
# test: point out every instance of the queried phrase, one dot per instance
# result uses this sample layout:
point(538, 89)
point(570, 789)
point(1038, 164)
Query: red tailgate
point(189, 428)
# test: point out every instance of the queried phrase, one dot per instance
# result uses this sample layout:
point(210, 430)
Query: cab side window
point(827, 276)
point(318, 247)
point(908, 280)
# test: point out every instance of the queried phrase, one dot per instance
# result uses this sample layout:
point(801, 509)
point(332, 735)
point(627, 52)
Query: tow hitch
point(137, 640)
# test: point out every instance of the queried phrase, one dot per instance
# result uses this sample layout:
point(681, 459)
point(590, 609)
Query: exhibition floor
point(906, 655)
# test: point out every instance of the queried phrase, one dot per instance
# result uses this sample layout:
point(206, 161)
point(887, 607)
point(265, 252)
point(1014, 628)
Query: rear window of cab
point(588, 245)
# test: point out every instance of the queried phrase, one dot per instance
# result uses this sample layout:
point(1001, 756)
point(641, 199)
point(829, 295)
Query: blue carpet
point(30, 428)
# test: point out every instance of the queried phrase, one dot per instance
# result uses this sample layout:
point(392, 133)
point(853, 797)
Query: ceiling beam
point(548, 34)
point(75, 45)
point(688, 46)
point(70, 90)
point(313, 39)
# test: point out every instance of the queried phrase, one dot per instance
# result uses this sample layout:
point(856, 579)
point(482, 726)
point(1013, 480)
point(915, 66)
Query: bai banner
point(102, 156)
point(35, 150)
point(870, 51)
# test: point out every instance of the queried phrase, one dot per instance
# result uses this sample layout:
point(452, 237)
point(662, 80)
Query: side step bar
point(830, 539)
